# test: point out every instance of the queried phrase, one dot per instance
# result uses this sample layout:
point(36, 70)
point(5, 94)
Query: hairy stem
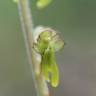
point(27, 29)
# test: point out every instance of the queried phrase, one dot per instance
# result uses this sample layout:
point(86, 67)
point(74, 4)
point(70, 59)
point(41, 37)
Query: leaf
point(57, 45)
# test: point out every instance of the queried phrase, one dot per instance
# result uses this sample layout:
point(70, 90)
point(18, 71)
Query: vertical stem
point(27, 29)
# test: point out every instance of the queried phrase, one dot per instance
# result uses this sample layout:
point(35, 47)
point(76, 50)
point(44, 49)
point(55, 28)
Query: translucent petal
point(57, 43)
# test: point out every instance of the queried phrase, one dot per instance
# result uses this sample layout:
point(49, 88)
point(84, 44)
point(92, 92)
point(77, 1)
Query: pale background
point(76, 20)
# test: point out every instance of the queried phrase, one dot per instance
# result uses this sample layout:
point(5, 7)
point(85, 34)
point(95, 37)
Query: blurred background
point(76, 20)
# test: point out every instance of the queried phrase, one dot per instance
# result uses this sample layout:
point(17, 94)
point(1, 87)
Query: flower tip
point(43, 4)
point(15, 1)
point(55, 84)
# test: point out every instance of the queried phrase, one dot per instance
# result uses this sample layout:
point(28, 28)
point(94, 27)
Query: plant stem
point(27, 29)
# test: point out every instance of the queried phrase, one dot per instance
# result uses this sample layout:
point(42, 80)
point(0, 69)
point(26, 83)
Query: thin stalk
point(27, 29)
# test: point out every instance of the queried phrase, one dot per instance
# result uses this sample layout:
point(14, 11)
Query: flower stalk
point(28, 30)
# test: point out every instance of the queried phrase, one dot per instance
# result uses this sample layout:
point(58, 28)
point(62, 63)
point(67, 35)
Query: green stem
point(27, 29)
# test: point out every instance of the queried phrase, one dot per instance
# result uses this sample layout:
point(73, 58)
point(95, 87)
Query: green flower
point(48, 42)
